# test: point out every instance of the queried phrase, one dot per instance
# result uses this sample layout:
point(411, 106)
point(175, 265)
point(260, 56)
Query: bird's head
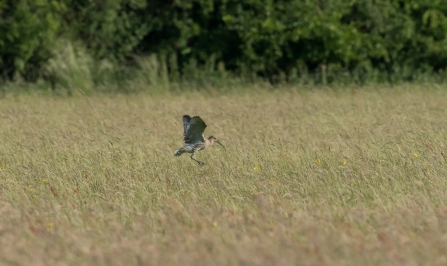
point(213, 139)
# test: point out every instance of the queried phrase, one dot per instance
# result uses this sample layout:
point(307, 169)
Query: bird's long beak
point(221, 144)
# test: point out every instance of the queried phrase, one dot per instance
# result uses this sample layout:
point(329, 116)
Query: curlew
point(194, 139)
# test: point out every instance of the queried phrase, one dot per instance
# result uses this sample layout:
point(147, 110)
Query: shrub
point(28, 31)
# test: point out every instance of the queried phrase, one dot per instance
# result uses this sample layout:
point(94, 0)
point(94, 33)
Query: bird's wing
point(186, 119)
point(194, 130)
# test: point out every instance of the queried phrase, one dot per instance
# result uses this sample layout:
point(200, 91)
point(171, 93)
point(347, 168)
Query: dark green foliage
point(28, 29)
point(401, 37)
point(110, 28)
point(380, 39)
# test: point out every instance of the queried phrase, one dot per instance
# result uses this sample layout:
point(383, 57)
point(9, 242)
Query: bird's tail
point(179, 152)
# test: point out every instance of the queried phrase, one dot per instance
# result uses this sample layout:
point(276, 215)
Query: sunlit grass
point(313, 178)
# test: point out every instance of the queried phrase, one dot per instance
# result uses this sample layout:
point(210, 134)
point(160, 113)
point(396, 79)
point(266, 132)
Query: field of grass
point(321, 177)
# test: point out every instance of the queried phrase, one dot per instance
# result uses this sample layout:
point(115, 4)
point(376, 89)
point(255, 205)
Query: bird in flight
point(194, 139)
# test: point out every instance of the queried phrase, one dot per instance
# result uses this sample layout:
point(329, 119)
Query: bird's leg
point(199, 162)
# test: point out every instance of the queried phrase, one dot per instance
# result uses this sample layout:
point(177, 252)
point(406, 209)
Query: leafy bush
point(273, 37)
point(287, 39)
point(28, 31)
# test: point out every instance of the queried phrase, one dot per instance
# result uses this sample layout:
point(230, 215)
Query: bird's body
point(193, 136)
point(188, 149)
point(192, 148)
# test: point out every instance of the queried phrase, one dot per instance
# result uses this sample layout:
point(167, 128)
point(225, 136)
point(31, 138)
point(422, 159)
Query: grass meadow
point(310, 177)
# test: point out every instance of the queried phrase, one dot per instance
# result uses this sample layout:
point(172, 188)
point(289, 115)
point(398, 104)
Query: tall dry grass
point(353, 177)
